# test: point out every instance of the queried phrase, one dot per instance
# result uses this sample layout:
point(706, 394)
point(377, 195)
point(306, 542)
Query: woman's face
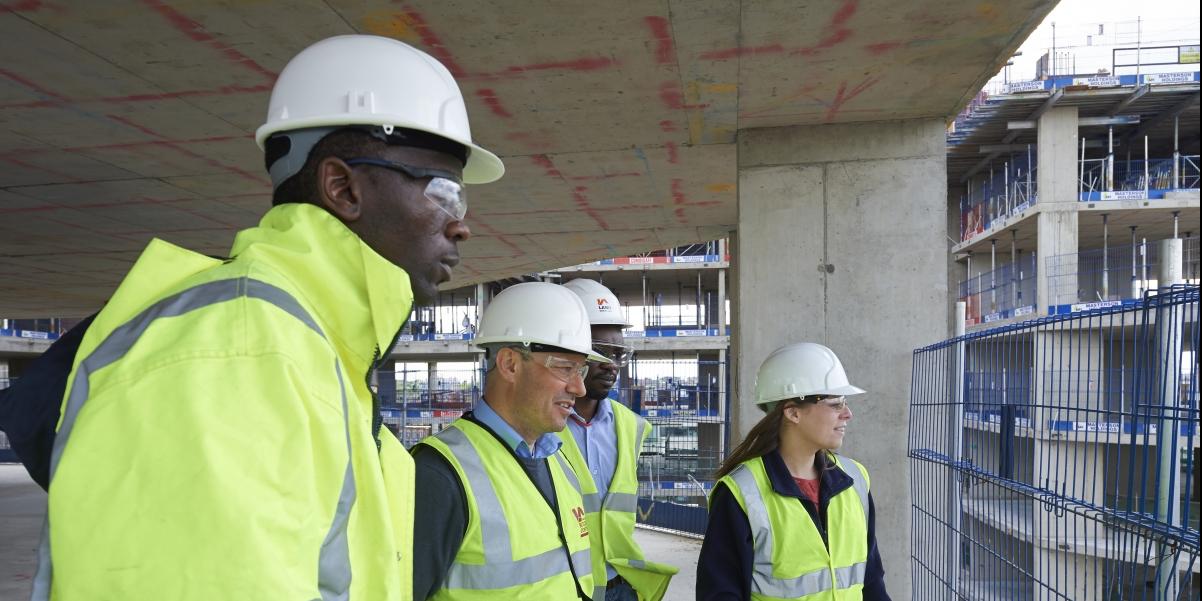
point(822, 424)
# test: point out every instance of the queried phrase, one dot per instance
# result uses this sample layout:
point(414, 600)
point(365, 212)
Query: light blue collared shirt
point(598, 442)
point(546, 445)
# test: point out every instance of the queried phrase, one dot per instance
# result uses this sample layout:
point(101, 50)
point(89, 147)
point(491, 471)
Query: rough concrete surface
point(673, 550)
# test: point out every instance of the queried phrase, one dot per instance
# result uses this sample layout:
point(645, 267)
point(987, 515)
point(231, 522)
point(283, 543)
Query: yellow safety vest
point(790, 559)
point(514, 546)
point(613, 517)
point(216, 439)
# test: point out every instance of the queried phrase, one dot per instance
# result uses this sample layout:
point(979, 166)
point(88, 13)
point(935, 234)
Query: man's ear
point(338, 189)
point(507, 364)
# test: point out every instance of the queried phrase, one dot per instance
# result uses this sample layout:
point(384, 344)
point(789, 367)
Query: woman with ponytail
point(790, 519)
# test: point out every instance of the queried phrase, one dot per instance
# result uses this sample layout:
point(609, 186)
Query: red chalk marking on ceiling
point(604, 176)
point(196, 32)
point(582, 203)
point(843, 95)
point(667, 125)
point(581, 64)
point(882, 48)
point(483, 226)
point(150, 97)
point(661, 32)
point(671, 148)
point(32, 85)
point(188, 153)
point(433, 43)
point(545, 162)
point(489, 96)
point(673, 99)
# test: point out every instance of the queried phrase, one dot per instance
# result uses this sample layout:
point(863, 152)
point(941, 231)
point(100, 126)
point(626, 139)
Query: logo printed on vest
point(579, 513)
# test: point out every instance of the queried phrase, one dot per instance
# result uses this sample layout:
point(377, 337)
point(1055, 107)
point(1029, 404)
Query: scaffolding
point(1093, 278)
point(1004, 292)
point(1058, 458)
point(1006, 189)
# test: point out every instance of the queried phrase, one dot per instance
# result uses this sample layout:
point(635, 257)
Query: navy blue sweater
point(725, 566)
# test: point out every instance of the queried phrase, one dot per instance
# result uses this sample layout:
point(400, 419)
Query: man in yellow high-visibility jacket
point(499, 512)
point(218, 438)
point(603, 441)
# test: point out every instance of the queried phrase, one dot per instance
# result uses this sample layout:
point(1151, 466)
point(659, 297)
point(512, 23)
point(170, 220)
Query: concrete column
point(1057, 233)
point(839, 226)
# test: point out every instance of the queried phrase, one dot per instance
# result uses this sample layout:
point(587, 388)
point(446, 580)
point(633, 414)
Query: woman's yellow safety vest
point(790, 560)
point(614, 516)
point(516, 546)
point(216, 436)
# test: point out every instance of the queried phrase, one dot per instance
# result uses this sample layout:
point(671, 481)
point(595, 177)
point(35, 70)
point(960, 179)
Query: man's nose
point(458, 231)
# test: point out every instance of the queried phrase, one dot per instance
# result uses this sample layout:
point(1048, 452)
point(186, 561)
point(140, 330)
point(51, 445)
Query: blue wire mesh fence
point(1058, 458)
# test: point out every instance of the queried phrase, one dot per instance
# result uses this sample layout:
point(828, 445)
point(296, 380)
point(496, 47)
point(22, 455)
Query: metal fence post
point(1168, 505)
point(957, 436)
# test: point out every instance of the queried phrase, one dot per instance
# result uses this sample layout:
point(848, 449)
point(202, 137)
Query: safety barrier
point(1058, 458)
point(1002, 293)
point(1109, 178)
point(1009, 189)
point(1096, 278)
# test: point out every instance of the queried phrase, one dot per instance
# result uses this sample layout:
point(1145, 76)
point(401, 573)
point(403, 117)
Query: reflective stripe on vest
point(500, 570)
point(762, 580)
point(617, 501)
point(333, 562)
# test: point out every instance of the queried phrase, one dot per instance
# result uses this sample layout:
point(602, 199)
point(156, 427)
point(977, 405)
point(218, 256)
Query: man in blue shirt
point(603, 443)
point(538, 341)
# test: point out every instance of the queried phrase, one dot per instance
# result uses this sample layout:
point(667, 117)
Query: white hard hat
point(370, 81)
point(602, 306)
point(538, 313)
point(800, 370)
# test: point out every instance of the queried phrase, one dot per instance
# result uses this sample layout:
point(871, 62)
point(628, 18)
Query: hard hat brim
point(482, 165)
point(591, 353)
point(848, 390)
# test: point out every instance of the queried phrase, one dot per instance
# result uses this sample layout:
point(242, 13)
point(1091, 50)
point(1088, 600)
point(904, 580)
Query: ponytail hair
point(763, 439)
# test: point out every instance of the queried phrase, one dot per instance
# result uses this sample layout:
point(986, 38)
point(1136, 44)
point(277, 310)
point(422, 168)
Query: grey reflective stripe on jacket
point(619, 501)
point(762, 580)
point(334, 566)
point(500, 570)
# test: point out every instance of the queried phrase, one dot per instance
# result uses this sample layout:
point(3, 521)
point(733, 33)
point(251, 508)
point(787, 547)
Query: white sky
point(1123, 22)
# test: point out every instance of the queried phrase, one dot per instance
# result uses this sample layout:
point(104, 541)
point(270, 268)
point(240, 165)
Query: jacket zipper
point(377, 359)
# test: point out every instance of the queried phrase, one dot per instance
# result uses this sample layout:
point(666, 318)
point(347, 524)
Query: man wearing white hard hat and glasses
point(218, 437)
point(603, 442)
point(500, 512)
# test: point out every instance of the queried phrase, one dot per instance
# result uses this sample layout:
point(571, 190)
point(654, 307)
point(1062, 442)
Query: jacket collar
point(831, 481)
point(359, 298)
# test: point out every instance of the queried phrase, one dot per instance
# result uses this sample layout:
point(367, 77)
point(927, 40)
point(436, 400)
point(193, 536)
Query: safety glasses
point(564, 370)
point(444, 188)
point(619, 354)
point(838, 403)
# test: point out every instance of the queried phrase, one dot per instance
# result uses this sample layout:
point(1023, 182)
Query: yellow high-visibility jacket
point(216, 439)
point(611, 519)
point(791, 562)
point(516, 545)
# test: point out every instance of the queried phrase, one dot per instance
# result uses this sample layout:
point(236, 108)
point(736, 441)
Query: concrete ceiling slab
point(617, 121)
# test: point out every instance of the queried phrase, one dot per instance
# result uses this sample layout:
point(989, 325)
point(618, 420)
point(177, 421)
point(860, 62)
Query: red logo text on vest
point(579, 513)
